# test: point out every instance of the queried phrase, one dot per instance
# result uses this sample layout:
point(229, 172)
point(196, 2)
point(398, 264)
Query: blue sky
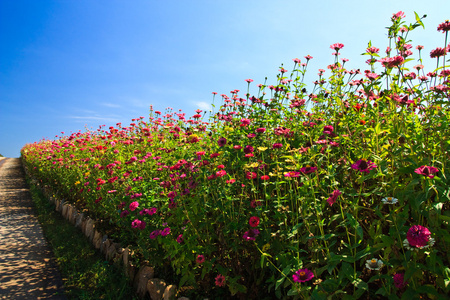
point(70, 65)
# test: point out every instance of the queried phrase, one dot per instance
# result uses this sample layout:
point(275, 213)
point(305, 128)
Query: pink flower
point(445, 26)
point(248, 149)
point(398, 16)
point(427, 171)
point(418, 236)
point(254, 221)
point(399, 280)
point(134, 205)
point(220, 280)
point(337, 46)
point(364, 166)
point(438, 52)
point(200, 259)
point(302, 275)
point(334, 195)
point(249, 80)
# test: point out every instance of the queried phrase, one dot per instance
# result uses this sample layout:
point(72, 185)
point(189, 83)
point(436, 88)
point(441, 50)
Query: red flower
point(265, 177)
point(220, 280)
point(254, 221)
point(250, 175)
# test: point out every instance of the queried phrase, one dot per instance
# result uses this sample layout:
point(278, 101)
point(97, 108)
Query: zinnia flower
point(427, 171)
point(445, 26)
point(399, 280)
point(251, 234)
point(363, 165)
point(418, 236)
point(308, 169)
point(389, 200)
point(200, 259)
point(220, 280)
point(334, 195)
point(374, 264)
point(222, 142)
point(254, 221)
point(302, 275)
point(134, 205)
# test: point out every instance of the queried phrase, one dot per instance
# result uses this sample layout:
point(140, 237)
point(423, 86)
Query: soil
point(28, 269)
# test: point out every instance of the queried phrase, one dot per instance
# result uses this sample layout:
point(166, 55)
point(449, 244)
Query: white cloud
point(203, 105)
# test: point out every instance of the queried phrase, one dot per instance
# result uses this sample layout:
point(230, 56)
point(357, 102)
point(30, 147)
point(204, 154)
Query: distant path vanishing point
point(27, 266)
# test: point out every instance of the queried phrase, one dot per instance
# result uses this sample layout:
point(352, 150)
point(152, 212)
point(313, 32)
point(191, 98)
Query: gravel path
point(27, 266)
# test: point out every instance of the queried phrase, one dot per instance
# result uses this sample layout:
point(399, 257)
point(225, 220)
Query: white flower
point(389, 200)
point(374, 264)
point(430, 244)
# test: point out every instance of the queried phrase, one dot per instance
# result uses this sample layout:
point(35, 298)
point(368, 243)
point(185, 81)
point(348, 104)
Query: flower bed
point(337, 190)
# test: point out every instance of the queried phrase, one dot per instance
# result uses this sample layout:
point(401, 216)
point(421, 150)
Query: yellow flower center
point(302, 273)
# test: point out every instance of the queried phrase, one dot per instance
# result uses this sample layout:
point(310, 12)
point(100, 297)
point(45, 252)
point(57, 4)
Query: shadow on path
point(27, 266)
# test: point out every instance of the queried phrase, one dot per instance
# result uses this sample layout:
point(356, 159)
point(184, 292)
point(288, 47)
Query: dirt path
point(27, 267)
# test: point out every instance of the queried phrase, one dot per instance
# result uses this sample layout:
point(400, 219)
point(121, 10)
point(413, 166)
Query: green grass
point(86, 273)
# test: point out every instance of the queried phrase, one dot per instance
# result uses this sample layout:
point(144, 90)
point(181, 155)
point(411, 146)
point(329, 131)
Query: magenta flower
point(165, 231)
point(248, 149)
point(222, 142)
point(308, 169)
point(334, 195)
point(418, 236)
point(154, 234)
point(363, 165)
point(302, 275)
point(427, 171)
point(251, 234)
point(180, 239)
point(399, 280)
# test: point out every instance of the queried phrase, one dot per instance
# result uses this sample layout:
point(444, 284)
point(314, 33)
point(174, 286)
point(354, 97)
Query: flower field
point(337, 190)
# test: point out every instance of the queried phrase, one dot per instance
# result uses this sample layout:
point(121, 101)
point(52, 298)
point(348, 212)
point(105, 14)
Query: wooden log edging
point(143, 279)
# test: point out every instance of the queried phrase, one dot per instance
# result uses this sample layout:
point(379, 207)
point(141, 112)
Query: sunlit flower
point(444, 26)
point(364, 166)
point(374, 264)
point(438, 52)
point(399, 280)
point(426, 171)
point(389, 200)
point(337, 46)
point(302, 275)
